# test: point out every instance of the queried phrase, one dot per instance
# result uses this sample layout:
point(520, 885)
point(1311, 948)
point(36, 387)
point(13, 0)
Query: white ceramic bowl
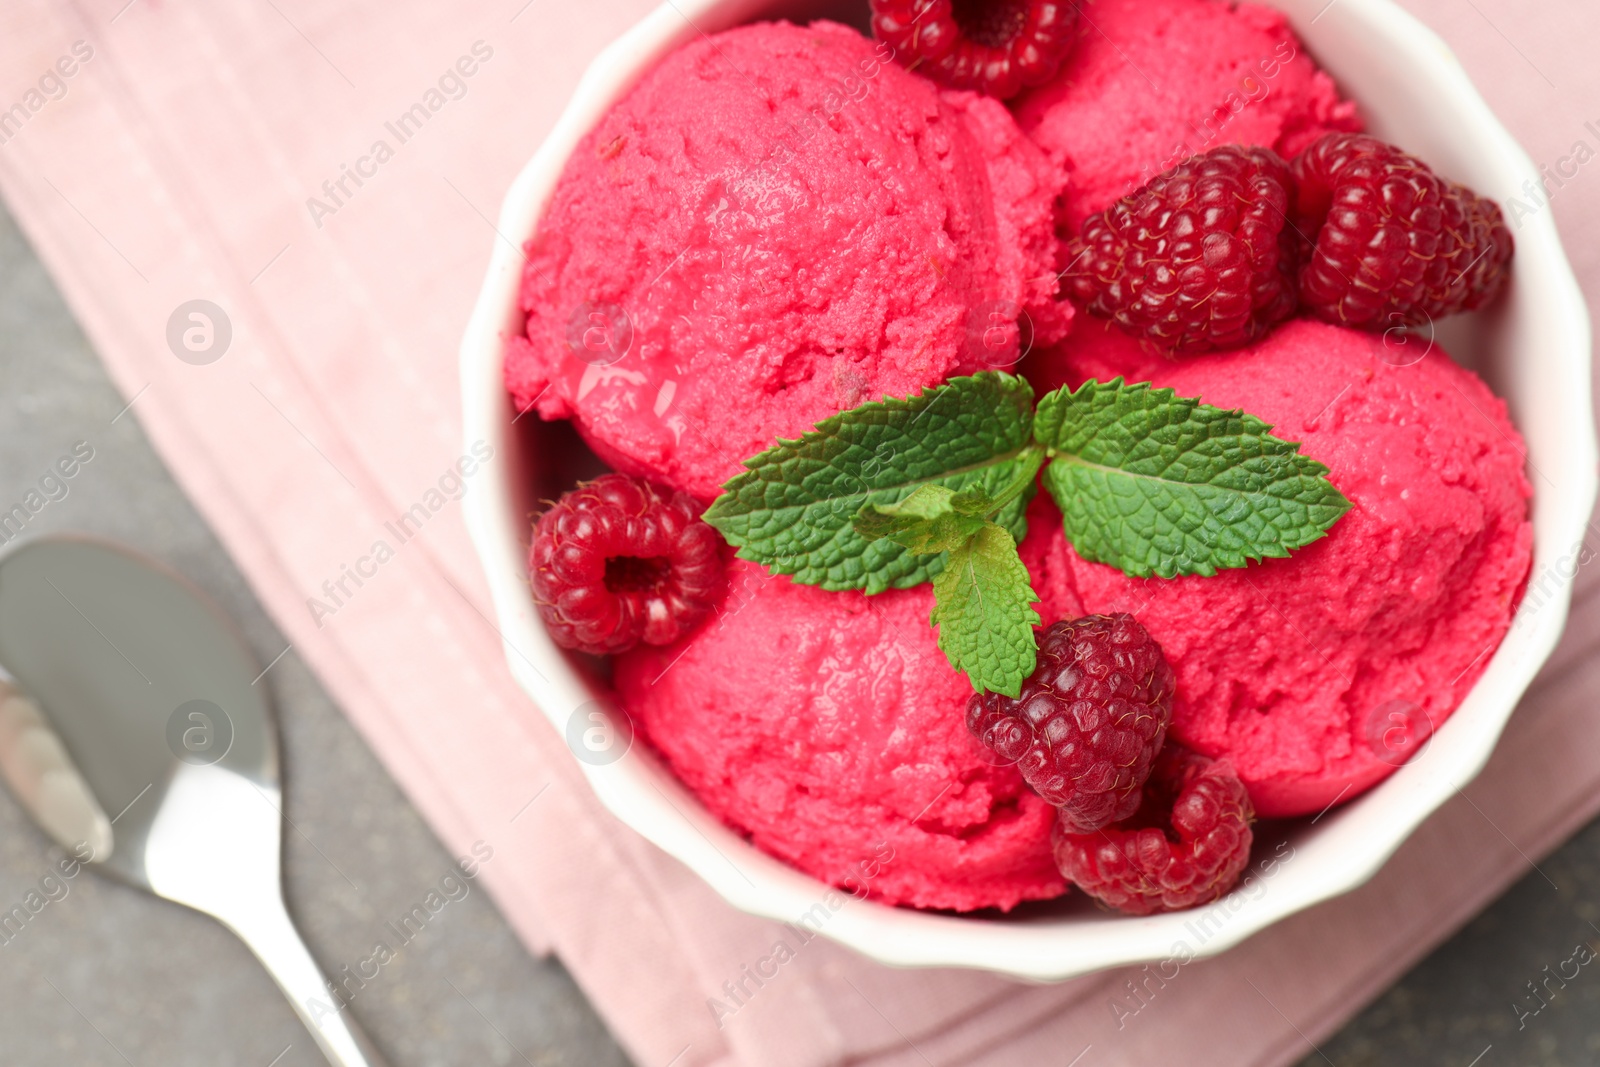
point(1533, 348)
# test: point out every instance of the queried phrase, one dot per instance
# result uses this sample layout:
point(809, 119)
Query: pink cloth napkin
point(165, 152)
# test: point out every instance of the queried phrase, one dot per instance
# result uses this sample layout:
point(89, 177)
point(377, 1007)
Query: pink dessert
point(779, 224)
point(1318, 675)
point(1152, 82)
point(776, 225)
point(829, 728)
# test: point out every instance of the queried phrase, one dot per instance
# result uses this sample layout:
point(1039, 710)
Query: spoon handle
point(272, 936)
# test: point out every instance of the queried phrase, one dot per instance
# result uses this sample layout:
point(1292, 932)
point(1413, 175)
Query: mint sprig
point(935, 487)
point(1158, 484)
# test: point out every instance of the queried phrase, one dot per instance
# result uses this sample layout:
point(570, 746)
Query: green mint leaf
point(983, 607)
point(1158, 484)
point(926, 521)
point(794, 507)
point(936, 518)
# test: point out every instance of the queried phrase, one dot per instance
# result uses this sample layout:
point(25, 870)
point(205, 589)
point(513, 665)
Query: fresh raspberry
point(993, 46)
point(1186, 845)
point(1089, 719)
point(1395, 244)
point(1199, 259)
point(620, 560)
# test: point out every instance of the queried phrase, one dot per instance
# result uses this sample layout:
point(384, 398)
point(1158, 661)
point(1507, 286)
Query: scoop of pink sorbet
point(1319, 674)
point(830, 729)
point(775, 225)
point(1152, 82)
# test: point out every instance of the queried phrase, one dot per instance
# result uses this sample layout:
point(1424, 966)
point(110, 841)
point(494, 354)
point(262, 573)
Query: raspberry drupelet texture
point(1393, 244)
point(1186, 845)
point(1089, 720)
point(620, 560)
point(997, 47)
point(1199, 259)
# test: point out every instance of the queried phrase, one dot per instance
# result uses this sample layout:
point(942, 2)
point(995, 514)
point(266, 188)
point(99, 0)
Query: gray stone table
point(108, 976)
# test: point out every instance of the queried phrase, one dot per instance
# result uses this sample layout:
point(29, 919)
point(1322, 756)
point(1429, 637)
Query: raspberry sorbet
point(780, 223)
point(830, 729)
point(775, 225)
point(1318, 675)
point(1152, 82)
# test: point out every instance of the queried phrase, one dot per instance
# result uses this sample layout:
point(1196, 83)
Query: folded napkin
point(159, 153)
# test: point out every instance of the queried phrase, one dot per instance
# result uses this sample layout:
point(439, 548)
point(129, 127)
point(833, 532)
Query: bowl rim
point(643, 794)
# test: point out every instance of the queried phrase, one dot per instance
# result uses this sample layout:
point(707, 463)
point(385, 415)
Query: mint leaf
point(926, 521)
point(1158, 484)
point(794, 507)
point(936, 518)
point(984, 611)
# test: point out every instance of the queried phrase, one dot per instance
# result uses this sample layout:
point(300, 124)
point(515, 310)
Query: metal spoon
point(132, 730)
